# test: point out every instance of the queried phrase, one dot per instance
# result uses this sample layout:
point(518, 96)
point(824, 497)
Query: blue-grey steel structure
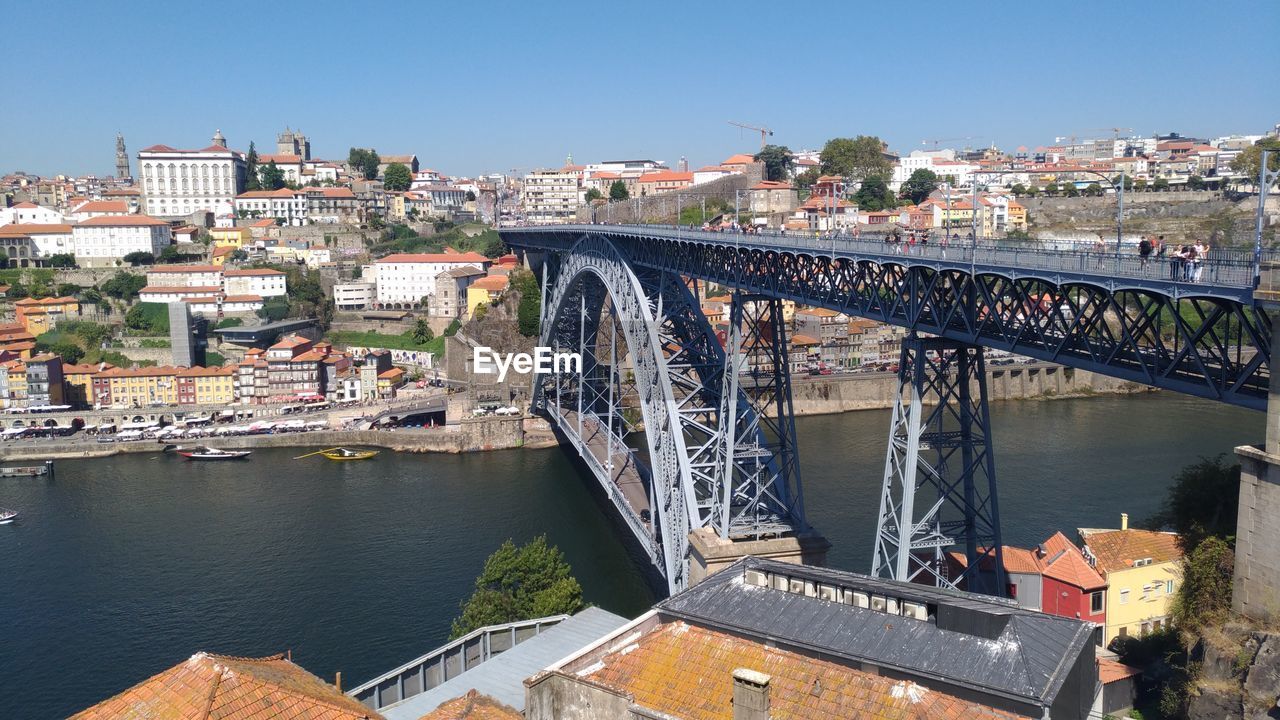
point(1191, 328)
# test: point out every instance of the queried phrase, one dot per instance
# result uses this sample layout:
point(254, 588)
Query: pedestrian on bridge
point(1144, 251)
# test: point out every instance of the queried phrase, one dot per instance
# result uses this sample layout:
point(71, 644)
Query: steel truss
point(939, 485)
point(676, 376)
point(1206, 341)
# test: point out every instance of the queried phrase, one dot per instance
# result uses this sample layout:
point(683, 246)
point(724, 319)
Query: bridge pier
point(939, 485)
point(1256, 586)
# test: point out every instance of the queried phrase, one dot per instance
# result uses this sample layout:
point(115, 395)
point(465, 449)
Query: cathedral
point(292, 142)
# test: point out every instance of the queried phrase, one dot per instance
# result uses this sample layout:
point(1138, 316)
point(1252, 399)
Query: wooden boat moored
point(208, 453)
point(341, 454)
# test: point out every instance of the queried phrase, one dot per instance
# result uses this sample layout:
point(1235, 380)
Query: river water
point(119, 568)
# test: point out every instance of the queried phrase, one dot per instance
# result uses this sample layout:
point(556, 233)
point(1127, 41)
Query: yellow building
point(485, 291)
point(209, 386)
point(14, 382)
point(1017, 216)
point(39, 316)
point(234, 238)
point(1142, 569)
point(77, 381)
point(136, 387)
point(389, 381)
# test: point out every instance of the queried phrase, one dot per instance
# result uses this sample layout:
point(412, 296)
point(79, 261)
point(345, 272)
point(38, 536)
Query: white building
point(201, 276)
point(100, 241)
point(98, 208)
point(550, 196)
point(290, 166)
point(709, 173)
point(168, 294)
point(177, 183)
point(254, 281)
point(407, 279)
point(35, 240)
point(25, 213)
point(918, 160)
point(283, 204)
point(225, 304)
point(354, 295)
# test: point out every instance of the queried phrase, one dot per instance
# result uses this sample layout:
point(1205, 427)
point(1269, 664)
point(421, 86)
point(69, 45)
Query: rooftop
point(121, 221)
point(454, 257)
point(218, 686)
point(473, 706)
point(1118, 550)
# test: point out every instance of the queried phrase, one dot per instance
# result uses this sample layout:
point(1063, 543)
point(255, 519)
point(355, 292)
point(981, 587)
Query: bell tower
point(122, 159)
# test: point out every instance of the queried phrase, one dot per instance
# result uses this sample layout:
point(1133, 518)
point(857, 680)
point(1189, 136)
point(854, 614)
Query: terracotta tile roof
point(268, 222)
point(16, 230)
point(224, 250)
point(1016, 560)
point(1119, 549)
point(104, 206)
point(492, 283)
point(26, 205)
point(247, 272)
point(183, 269)
point(208, 686)
point(392, 374)
point(169, 289)
point(121, 221)
point(687, 671)
point(771, 185)
point(453, 257)
point(803, 340)
point(666, 176)
point(331, 192)
point(473, 706)
point(1110, 671)
point(739, 159)
point(1063, 561)
point(87, 369)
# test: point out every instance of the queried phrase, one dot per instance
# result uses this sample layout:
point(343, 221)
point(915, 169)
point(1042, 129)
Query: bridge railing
point(1223, 267)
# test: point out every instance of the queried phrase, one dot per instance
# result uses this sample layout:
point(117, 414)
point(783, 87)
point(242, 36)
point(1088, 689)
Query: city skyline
point(388, 85)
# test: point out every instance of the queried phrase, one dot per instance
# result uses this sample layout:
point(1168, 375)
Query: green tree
point(364, 161)
point(422, 332)
point(274, 309)
point(148, 318)
point(1070, 190)
point(1249, 161)
point(251, 169)
point(1204, 595)
point(453, 328)
point(919, 185)
point(1202, 502)
point(855, 158)
point(1160, 185)
point(777, 161)
point(874, 194)
point(529, 311)
point(1051, 189)
point(239, 255)
point(62, 260)
point(1195, 182)
point(806, 179)
point(471, 196)
point(70, 352)
point(594, 194)
point(618, 191)
point(397, 177)
point(1140, 185)
point(67, 290)
point(520, 584)
point(124, 286)
point(272, 177)
point(1094, 190)
point(1019, 189)
point(139, 257)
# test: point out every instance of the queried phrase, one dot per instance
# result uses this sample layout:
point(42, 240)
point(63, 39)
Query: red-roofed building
point(738, 163)
point(28, 212)
point(101, 241)
point(98, 208)
point(664, 181)
point(405, 280)
point(770, 196)
point(177, 183)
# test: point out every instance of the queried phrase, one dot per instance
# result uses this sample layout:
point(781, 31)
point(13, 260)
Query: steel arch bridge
point(720, 445)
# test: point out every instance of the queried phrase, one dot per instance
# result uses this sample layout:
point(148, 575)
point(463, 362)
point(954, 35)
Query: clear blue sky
point(489, 86)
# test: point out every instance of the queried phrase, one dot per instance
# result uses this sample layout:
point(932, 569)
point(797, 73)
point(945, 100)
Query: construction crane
point(937, 141)
point(764, 131)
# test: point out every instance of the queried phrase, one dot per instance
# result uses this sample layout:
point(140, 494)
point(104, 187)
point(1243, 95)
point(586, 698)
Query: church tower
point(218, 139)
point(122, 159)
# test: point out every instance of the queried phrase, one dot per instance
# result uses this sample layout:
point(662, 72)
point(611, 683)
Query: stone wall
point(1256, 591)
point(1179, 216)
point(1239, 674)
point(834, 394)
point(662, 207)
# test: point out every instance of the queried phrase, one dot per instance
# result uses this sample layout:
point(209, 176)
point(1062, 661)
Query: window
point(1124, 597)
point(1124, 631)
point(1095, 601)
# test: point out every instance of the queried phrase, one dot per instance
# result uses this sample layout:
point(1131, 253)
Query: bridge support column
point(939, 485)
point(1256, 587)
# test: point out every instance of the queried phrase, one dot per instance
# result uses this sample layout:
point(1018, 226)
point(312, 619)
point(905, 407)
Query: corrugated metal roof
point(502, 677)
point(1028, 658)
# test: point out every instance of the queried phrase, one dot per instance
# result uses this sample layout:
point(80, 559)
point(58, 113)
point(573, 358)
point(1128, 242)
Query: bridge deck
point(626, 475)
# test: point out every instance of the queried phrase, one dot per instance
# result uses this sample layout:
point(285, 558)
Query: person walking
point(1197, 267)
point(1144, 251)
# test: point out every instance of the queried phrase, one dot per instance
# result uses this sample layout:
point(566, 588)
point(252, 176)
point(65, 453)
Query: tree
point(272, 177)
point(274, 309)
point(1141, 184)
point(67, 290)
point(70, 352)
point(919, 185)
point(1195, 182)
point(529, 311)
point(874, 194)
point(519, 584)
point(124, 286)
point(594, 194)
point(1051, 189)
point(1202, 502)
point(251, 169)
point(1160, 185)
point(1019, 189)
point(856, 158)
point(1094, 190)
point(365, 162)
point(453, 328)
point(148, 317)
point(806, 179)
point(397, 177)
point(471, 196)
point(1070, 190)
point(139, 257)
point(1249, 162)
point(239, 255)
point(1204, 595)
point(618, 191)
point(62, 260)
point(777, 161)
point(422, 332)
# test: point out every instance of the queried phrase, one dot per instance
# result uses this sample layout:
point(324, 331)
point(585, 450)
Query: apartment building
point(551, 196)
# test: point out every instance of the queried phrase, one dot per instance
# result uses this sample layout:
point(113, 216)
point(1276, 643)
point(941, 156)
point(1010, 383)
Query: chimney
point(337, 680)
point(1124, 521)
point(750, 695)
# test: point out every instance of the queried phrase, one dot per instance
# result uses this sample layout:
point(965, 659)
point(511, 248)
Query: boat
point(340, 454)
point(7, 516)
point(208, 453)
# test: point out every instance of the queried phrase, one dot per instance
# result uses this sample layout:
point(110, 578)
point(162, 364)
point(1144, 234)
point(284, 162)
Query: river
point(121, 567)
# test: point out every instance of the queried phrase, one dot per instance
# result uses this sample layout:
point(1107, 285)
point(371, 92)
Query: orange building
point(39, 316)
